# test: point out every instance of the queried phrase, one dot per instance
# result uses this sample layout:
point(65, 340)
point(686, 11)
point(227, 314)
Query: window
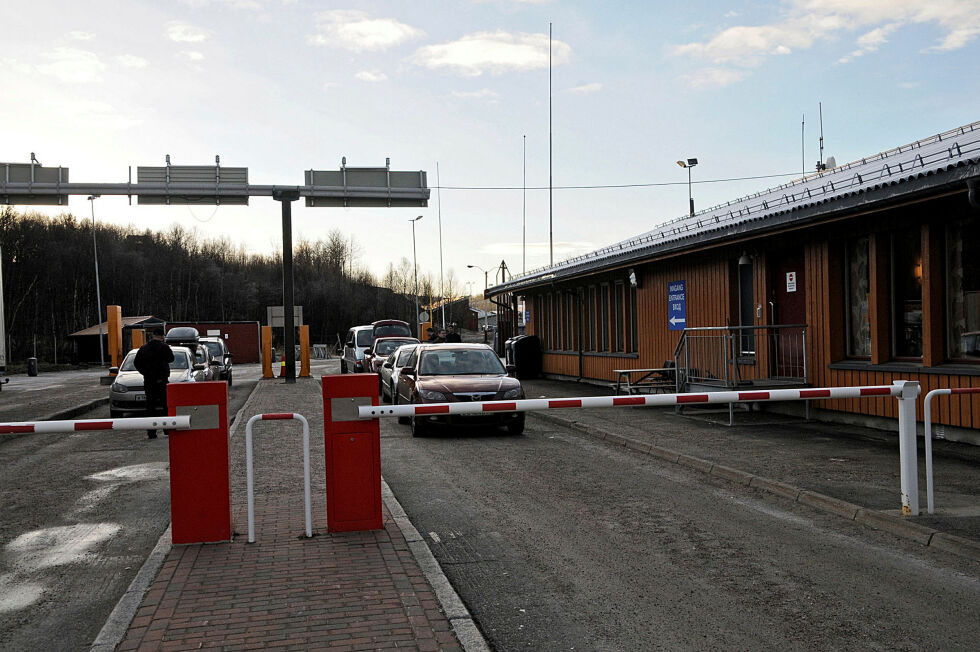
point(590, 309)
point(634, 336)
point(746, 305)
point(963, 290)
point(604, 317)
point(857, 300)
point(570, 320)
point(618, 317)
point(906, 277)
point(550, 317)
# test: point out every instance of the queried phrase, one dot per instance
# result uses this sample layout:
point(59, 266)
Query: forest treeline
point(49, 281)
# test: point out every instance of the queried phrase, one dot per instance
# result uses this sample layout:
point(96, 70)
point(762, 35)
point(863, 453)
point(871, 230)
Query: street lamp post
point(691, 162)
point(98, 293)
point(486, 317)
point(415, 264)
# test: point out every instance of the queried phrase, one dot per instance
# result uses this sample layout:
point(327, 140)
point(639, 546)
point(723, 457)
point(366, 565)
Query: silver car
point(221, 357)
point(389, 371)
point(126, 393)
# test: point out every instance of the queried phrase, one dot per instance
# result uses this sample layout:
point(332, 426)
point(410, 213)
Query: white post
point(907, 446)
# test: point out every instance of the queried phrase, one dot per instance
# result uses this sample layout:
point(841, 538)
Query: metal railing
point(250, 475)
point(729, 357)
point(927, 418)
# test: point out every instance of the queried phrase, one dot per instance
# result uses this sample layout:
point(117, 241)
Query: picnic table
point(637, 381)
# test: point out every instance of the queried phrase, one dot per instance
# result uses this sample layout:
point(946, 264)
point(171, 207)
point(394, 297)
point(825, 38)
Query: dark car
point(390, 328)
point(451, 373)
point(381, 349)
point(221, 355)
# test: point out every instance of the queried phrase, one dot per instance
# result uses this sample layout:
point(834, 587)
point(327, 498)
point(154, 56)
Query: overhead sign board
point(276, 316)
point(21, 173)
point(194, 184)
point(677, 305)
point(365, 187)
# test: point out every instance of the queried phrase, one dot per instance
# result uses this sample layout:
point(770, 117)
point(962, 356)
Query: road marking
point(435, 537)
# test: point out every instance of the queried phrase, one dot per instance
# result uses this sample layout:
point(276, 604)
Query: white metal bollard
point(249, 477)
point(907, 446)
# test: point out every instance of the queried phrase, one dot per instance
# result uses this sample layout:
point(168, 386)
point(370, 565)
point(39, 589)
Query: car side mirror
point(198, 366)
point(387, 365)
point(408, 372)
point(113, 371)
point(229, 355)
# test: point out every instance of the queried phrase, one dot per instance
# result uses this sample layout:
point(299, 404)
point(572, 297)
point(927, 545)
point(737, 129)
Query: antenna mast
point(820, 164)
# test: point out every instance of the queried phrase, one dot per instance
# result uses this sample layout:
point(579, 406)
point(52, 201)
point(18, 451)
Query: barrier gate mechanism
point(81, 425)
point(285, 416)
point(905, 391)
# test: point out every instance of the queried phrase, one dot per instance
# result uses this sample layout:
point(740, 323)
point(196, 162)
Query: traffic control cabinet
point(352, 448)
point(200, 481)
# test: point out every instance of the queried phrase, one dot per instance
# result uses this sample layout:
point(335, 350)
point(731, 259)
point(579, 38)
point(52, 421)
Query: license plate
point(140, 397)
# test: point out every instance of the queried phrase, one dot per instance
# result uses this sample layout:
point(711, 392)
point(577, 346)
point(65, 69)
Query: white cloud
point(594, 87)
point(252, 5)
point(95, 114)
point(493, 52)
point(183, 33)
point(192, 55)
point(371, 76)
point(72, 66)
point(131, 61)
point(483, 93)
point(806, 22)
point(714, 77)
point(357, 31)
point(81, 36)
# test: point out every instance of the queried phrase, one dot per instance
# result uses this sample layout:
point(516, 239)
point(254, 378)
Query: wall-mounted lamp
point(745, 259)
point(634, 280)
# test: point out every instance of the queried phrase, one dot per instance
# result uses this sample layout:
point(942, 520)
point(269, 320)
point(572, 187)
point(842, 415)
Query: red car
point(450, 373)
point(382, 347)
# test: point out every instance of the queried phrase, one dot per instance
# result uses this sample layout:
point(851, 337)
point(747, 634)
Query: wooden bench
point(639, 381)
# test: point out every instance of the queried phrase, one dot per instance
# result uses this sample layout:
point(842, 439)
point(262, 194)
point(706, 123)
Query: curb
point(459, 616)
point(875, 519)
point(72, 412)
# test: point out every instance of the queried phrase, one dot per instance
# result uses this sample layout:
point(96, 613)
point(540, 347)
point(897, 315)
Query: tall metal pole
point(415, 265)
point(287, 197)
point(442, 287)
point(98, 293)
point(524, 214)
point(3, 329)
point(690, 198)
point(551, 232)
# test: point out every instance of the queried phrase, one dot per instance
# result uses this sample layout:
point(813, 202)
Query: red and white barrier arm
point(79, 425)
point(535, 404)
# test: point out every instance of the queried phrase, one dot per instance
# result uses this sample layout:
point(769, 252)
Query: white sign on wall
point(791, 281)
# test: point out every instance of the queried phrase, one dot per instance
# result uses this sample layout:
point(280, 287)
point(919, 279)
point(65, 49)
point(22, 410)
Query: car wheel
point(116, 414)
point(516, 427)
point(419, 428)
point(401, 420)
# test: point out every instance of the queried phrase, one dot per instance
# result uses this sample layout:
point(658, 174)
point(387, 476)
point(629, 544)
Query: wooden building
point(858, 275)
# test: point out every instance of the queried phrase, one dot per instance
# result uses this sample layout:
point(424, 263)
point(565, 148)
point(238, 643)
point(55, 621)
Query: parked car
point(381, 349)
point(358, 340)
point(388, 374)
point(219, 353)
point(390, 328)
point(127, 395)
point(450, 373)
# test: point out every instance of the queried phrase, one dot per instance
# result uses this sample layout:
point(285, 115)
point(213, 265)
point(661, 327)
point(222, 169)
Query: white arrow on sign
point(677, 320)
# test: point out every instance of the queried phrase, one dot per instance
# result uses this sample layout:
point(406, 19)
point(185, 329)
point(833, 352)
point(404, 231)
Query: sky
point(460, 89)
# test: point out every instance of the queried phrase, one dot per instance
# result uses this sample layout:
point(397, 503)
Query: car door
point(405, 384)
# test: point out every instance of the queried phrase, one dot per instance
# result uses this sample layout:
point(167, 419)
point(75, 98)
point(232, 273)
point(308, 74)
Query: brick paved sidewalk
point(345, 591)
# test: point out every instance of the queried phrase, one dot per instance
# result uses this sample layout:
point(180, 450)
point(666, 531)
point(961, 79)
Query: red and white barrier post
point(250, 476)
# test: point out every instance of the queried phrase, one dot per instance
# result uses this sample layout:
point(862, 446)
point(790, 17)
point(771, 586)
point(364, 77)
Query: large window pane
point(856, 287)
point(618, 317)
point(907, 294)
point(604, 317)
point(963, 289)
point(590, 319)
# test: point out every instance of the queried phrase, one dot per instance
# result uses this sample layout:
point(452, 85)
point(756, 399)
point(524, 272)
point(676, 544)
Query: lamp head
point(691, 162)
point(682, 164)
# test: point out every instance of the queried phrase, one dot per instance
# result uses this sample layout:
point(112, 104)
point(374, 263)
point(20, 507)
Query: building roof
point(947, 158)
point(127, 322)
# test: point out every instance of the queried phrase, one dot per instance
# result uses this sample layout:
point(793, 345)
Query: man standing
point(453, 336)
point(153, 362)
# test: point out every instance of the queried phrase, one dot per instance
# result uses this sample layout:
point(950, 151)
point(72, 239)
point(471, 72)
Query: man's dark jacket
point(153, 360)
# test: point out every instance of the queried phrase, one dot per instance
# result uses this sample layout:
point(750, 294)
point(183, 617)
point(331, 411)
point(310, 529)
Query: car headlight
point(514, 393)
point(119, 387)
point(430, 395)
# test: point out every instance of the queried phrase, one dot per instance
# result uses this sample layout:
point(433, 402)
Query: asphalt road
point(555, 541)
point(80, 514)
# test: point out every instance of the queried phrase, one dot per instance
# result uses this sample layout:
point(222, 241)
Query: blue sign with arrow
point(677, 305)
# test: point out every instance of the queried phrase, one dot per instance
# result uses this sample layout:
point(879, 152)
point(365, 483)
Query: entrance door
point(787, 306)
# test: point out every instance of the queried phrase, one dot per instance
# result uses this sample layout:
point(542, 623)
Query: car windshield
point(364, 338)
point(214, 348)
point(450, 362)
point(180, 362)
point(392, 330)
point(384, 347)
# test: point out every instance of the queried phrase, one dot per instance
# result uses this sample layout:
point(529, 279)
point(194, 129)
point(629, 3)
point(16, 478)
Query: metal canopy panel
point(365, 187)
point(21, 173)
point(190, 184)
